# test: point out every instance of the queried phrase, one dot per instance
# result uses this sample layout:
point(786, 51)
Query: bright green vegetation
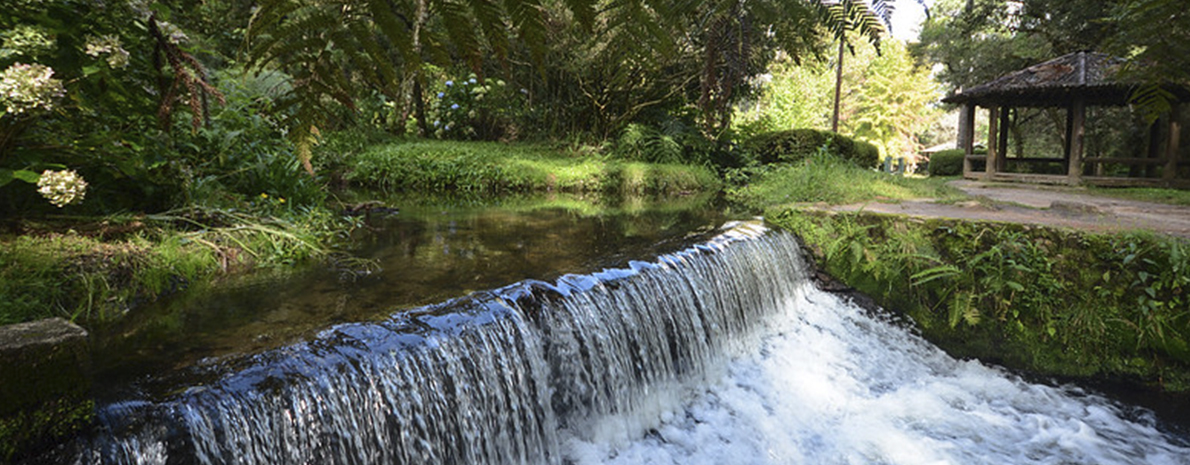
point(947, 162)
point(489, 168)
point(796, 145)
point(824, 177)
point(98, 271)
point(1147, 194)
point(887, 100)
point(1047, 301)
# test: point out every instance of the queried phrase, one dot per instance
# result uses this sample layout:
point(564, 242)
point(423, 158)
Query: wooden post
point(1171, 149)
point(1002, 161)
point(967, 136)
point(1078, 117)
point(993, 159)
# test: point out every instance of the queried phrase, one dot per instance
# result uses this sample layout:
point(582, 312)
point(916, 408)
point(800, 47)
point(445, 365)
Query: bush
point(797, 144)
point(867, 154)
point(947, 163)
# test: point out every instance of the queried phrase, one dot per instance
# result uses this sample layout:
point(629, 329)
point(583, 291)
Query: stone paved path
point(1044, 205)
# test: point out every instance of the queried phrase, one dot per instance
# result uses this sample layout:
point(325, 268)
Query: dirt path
point(1045, 205)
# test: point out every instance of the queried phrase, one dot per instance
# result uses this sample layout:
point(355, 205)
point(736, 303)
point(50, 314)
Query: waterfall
point(720, 353)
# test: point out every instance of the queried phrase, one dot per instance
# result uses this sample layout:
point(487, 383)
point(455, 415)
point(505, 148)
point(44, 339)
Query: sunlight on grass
point(495, 168)
point(824, 178)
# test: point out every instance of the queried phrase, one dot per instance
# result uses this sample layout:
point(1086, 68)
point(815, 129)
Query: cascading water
point(722, 353)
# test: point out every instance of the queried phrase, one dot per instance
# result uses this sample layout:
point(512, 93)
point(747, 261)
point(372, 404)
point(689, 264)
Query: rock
point(45, 390)
point(1074, 207)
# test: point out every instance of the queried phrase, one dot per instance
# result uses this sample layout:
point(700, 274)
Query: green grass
point(95, 275)
point(495, 168)
point(1147, 194)
point(828, 179)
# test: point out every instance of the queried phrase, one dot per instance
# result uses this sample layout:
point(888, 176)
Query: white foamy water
point(830, 384)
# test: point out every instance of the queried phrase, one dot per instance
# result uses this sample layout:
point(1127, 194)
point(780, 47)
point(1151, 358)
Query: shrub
point(947, 163)
point(867, 154)
point(797, 144)
point(470, 109)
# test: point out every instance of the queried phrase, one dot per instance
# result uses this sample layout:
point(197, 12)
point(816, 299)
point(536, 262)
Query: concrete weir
point(45, 386)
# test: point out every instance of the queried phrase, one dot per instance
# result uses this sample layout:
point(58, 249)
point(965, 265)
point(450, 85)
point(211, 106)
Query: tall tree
point(1154, 35)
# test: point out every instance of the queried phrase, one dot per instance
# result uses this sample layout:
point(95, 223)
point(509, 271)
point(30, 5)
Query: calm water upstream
point(682, 342)
point(423, 254)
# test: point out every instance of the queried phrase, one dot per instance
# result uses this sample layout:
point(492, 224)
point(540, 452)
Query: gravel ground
point(1044, 205)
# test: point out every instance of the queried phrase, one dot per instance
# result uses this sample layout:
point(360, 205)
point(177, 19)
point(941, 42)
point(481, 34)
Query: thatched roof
point(1057, 82)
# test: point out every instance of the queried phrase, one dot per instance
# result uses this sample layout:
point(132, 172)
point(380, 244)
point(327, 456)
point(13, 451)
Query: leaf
point(935, 273)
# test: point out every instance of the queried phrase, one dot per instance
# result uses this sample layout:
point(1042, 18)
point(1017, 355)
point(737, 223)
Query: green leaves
point(7, 176)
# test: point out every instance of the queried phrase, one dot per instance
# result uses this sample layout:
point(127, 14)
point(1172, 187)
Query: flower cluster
point(108, 45)
point(468, 109)
point(61, 187)
point(27, 88)
point(27, 41)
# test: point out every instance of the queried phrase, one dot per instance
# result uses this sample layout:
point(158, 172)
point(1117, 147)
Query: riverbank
point(1055, 302)
point(92, 270)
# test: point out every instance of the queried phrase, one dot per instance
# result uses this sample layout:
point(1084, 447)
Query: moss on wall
point(1044, 300)
point(45, 391)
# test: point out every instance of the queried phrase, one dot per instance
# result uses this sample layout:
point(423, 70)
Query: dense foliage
point(798, 144)
point(947, 162)
point(887, 99)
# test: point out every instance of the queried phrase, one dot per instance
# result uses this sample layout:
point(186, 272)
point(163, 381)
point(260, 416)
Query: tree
point(892, 102)
point(1154, 35)
point(889, 101)
point(82, 82)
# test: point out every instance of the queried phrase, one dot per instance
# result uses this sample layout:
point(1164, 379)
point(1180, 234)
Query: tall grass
point(826, 178)
point(90, 278)
point(494, 168)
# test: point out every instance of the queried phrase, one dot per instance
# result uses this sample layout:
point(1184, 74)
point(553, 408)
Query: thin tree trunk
point(419, 101)
point(838, 87)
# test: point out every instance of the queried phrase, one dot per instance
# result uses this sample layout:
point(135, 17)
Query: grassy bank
point(1054, 302)
point(93, 270)
point(825, 178)
point(495, 168)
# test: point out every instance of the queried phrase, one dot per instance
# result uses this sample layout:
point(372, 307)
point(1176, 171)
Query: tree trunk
point(838, 87)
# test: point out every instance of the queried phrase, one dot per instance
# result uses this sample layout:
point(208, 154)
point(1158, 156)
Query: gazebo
point(1072, 83)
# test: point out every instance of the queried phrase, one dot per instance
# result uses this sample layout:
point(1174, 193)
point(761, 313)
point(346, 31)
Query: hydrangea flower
point(454, 106)
point(472, 80)
point(26, 40)
point(450, 83)
point(441, 94)
point(61, 187)
point(108, 45)
point(27, 88)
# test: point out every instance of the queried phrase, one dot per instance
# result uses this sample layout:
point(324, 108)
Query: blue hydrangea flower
point(448, 127)
point(454, 106)
point(436, 122)
point(450, 83)
point(472, 80)
point(441, 94)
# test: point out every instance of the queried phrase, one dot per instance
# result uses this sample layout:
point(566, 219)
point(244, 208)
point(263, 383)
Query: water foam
point(832, 384)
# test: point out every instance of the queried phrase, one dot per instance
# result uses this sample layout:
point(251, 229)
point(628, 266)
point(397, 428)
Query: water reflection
point(428, 252)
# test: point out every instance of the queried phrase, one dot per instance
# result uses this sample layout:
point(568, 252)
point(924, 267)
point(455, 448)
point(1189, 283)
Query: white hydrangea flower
point(108, 45)
point(61, 187)
point(27, 88)
point(27, 41)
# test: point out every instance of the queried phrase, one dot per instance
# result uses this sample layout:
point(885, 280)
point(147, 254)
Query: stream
point(638, 335)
